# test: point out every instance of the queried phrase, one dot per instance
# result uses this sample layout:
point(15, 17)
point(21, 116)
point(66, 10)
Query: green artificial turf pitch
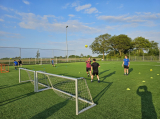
point(114, 101)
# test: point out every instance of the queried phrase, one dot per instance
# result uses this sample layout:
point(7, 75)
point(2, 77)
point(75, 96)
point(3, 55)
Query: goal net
point(26, 75)
point(67, 87)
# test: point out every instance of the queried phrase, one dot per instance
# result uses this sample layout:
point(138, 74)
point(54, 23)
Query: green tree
point(101, 44)
point(140, 43)
point(37, 54)
point(81, 55)
point(122, 43)
point(113, 43)
point(153, 50)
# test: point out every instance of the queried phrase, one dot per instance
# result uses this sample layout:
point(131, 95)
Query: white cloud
point(79, 8)
point(32, 21)
point(71, 15)
point(4, 34)
point(74, 4)
point(91, 10)
point(1, 20)
point(4, 8)
point(26, 2)
point(10, 16)
point(131, 19)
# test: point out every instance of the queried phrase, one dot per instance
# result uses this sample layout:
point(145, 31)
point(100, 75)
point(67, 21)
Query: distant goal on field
point(75, 89)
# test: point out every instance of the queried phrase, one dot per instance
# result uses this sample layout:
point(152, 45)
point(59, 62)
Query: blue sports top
point(52, 61)
point(126, 61)
point(16, 63)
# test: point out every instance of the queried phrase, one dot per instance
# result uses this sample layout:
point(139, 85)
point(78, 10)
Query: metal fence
point(136, 58)
point(29, 55)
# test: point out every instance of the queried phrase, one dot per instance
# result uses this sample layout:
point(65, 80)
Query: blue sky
point(42, 23)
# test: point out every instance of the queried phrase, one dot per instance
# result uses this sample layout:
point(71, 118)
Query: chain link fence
point(35, 55)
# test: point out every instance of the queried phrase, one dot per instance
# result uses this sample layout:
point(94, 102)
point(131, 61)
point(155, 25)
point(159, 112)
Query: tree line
point(120, 45)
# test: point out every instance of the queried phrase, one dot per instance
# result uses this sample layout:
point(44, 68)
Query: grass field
point(114, 101)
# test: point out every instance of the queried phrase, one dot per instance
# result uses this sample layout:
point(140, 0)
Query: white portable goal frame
point(36, 83)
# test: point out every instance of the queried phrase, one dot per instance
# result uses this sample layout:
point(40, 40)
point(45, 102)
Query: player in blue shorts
point(53, 63)
point(126, 64)
point(15, 64)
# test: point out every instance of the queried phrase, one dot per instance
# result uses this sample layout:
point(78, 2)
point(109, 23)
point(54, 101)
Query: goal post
point(75, 89)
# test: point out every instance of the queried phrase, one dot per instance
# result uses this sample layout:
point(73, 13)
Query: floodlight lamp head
point(66, 26)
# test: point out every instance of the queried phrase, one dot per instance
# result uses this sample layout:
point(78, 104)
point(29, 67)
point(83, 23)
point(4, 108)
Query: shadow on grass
point(50, 111)
point(103, 72)
point(100, 94)
point(6, 86)
point(104, 77)
point(3, 86)
point(15, 98)
point(147, 107)
point(130, 70)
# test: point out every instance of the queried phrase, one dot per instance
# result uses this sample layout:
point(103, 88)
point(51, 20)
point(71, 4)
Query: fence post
point(159, 54)
point(129, 55)
point(75, 56)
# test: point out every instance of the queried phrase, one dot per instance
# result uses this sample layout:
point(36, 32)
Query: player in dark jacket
point(94, 67)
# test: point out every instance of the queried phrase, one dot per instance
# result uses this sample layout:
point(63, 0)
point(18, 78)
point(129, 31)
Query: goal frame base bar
point(92, 104)
point(86, 108)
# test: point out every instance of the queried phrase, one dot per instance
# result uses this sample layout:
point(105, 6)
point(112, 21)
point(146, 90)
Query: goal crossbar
point(65, 77)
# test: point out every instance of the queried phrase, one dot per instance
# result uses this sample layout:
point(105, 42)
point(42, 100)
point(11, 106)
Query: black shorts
point(95, 73)
point(126, 67)
point(88, 69)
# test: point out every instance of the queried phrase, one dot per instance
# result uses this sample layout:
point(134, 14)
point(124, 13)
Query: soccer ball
point(86, 46)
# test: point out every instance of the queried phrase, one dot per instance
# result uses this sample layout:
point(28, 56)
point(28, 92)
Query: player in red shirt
point(88, 66)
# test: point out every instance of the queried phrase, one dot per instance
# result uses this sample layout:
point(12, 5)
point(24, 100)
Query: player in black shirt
point(94, 67)
point(19, 63)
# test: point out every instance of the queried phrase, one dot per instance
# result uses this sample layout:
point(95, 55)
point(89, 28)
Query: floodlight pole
point(66, 43)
